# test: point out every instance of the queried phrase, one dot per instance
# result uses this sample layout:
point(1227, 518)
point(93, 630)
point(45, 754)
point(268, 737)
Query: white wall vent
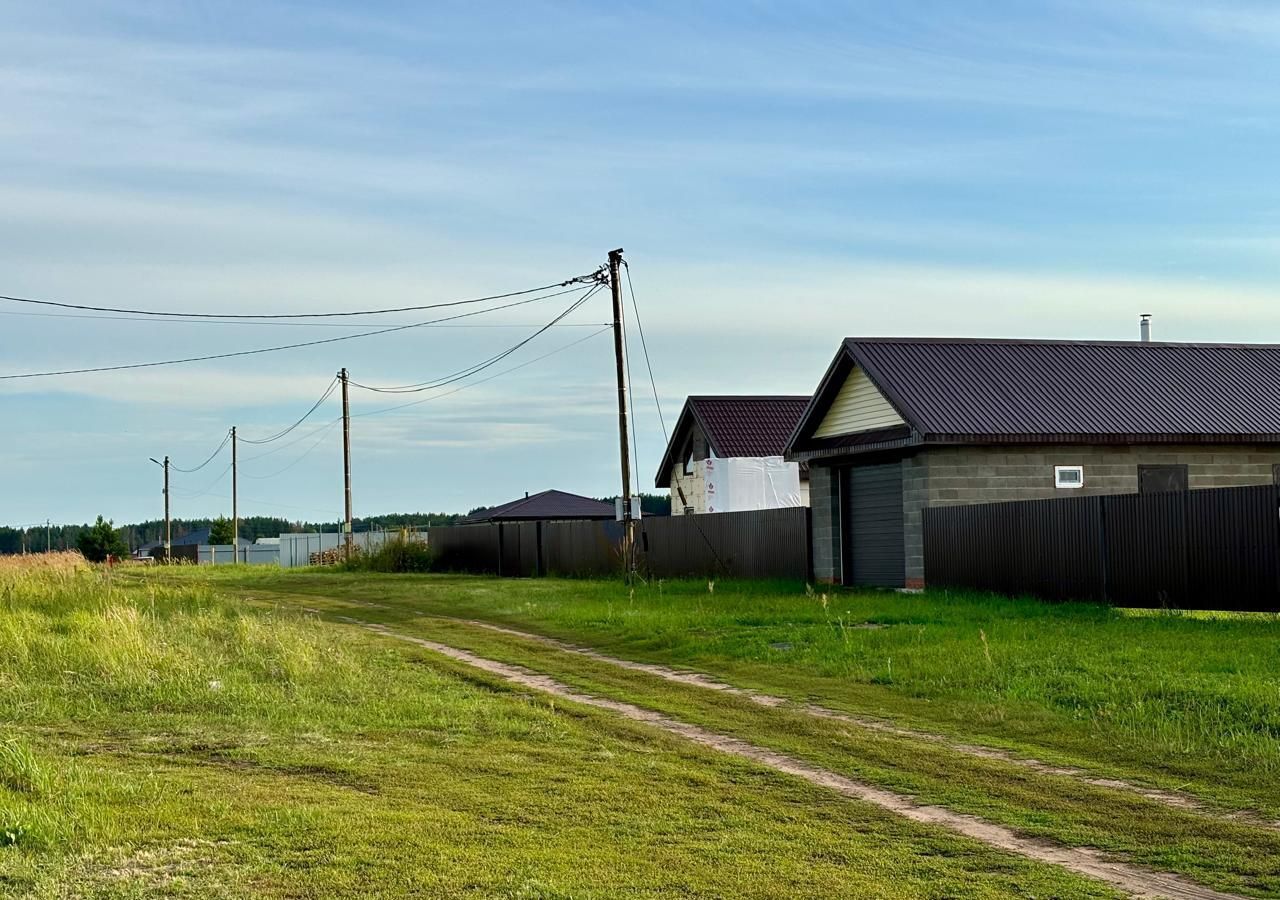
point(1068, 476)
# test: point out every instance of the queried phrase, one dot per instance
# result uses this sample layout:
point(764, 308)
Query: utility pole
point(346, 456)
point(168, 535)
point(48, 536)
point(619, 352)
point(168, 531)
point(235, 510)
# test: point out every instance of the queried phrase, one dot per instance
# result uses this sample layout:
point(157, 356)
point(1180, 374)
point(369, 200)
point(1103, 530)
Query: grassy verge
point(1227, 855)
point(160, 739)
point(1176, 700)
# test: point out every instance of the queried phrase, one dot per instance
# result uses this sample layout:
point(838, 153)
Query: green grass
point(160, 737)
point(1227, 855)
point(1177, 700)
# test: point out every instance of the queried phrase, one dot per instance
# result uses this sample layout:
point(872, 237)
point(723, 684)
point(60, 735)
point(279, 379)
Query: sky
point(780, 175)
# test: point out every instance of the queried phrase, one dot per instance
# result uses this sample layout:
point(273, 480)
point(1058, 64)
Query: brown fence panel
point(1206, 549)
point(1233, 560)
point(466, 548)
point(1044, 547)
point(1146, 540)
point(582, 549)
point(766, 543)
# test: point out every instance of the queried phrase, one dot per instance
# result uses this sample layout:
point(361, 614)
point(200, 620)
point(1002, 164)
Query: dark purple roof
point(735, 426)
point(994, 391)
point(546, 505)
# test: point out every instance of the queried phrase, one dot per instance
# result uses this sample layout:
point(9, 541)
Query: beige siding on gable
point(858, 407)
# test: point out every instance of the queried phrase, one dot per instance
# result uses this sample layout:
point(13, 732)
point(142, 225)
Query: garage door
point(873, 533)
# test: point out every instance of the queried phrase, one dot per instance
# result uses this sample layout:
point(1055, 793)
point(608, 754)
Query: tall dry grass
point(65, 561)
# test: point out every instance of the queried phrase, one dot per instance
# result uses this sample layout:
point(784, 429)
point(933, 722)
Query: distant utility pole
point(168, 534)
point(619, 352)
point(235, 510)
point(346, 457)
point(48, 536)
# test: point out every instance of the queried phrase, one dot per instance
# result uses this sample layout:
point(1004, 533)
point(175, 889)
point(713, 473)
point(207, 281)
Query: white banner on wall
point(739, 485)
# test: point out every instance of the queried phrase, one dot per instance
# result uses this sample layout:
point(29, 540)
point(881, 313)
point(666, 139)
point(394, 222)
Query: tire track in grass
point(699, 679)
point(1133, 880)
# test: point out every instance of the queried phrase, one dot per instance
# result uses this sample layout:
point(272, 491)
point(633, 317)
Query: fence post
point(1103, 544)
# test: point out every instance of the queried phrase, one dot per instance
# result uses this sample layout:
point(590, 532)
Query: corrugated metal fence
point(1204, 549)
point(769, 543)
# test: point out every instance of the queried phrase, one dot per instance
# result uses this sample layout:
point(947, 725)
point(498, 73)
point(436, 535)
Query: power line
point(645, 347)
point(275, 437)
point(316, 343)
point(386, 409)
point(208, 490)
point(265, 323)
point(297, 440)
point(480, 366)
point(212, 455)
point(577, 279)
point(323, 434)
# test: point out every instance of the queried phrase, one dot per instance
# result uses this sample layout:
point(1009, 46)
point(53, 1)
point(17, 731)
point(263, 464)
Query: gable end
point(858, 406)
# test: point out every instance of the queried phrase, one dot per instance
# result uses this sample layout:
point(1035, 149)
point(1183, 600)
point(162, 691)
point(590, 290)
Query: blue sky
point(780, 174)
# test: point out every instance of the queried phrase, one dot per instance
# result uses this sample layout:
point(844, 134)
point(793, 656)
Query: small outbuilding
point(547, 506)
point(900, 424)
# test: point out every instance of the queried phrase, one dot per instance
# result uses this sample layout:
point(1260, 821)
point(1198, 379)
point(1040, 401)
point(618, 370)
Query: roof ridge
point(1064, 342)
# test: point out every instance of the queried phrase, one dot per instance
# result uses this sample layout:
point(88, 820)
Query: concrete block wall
point(948, 476)
point(989, 474)
point(824, 495)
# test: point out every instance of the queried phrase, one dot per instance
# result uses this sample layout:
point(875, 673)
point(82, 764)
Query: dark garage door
point(872, 525)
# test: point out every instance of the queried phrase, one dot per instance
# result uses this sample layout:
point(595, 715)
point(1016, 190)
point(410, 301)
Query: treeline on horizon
point(63, 537)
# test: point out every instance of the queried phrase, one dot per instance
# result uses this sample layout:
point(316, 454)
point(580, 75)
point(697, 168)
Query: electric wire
point(484, 364)
point(260, 350)
point(324, 432)
point(288, 324)
point(387, 409)
point(645, 347)
point(209, 489)
point(287, 444)
point(333, 383)
point(577, 279)
point(212, 456)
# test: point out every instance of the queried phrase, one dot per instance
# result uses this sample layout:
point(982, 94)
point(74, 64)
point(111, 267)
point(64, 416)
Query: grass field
point(161, 736)
point(1174, 697)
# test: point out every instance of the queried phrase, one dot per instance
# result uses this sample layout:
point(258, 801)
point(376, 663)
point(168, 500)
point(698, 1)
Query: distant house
point(199, 537)
point(899, 424)
point(545, 506)
point(726, 454)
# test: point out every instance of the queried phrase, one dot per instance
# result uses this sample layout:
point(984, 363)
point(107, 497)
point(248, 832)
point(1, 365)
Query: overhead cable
point(275, 437)
point(480, 366)
point(316, 343)
point(577, 279)
point(211, 458)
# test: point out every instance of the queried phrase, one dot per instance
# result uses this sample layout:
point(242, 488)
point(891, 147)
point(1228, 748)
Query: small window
point(688, 457)
point(1068, 476)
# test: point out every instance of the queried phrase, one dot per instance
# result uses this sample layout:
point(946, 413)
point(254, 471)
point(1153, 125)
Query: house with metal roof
point(898, 424)
point(726, 455)
point(546, 506)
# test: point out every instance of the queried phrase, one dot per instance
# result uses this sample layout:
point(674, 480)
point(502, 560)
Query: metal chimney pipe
point(1144, 328)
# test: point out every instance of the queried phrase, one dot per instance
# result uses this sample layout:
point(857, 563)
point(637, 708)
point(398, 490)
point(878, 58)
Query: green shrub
point(398, 555)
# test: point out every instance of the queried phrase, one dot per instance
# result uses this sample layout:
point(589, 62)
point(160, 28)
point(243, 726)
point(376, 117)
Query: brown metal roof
point(545, 505)
point(735, 426)
point(1002, 391)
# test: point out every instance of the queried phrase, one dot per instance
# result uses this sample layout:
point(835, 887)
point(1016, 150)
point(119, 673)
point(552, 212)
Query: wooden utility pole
point(346, 457)
point(619, 352)
point(235, 509)
point(48, 536)
point(168, 533)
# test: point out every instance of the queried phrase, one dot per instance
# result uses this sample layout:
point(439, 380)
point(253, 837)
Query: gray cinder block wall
point(824, 501)
point(948, 476)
